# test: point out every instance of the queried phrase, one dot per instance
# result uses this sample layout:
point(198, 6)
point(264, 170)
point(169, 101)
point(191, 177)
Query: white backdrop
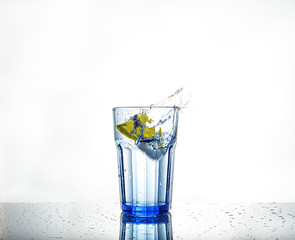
point(65, 64)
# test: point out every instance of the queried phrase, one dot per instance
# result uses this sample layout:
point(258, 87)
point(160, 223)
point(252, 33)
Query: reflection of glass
point(145, 139)
point(147, 228)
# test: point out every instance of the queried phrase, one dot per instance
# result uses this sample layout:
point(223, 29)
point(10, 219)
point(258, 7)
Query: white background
point(65, 64)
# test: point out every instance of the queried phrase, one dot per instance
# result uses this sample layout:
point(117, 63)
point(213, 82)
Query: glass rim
point(146, 107)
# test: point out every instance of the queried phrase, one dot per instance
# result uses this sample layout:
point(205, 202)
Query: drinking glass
point(146, 140)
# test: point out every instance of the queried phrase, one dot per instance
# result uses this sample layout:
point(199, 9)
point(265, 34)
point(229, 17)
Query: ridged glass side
point(145, 182)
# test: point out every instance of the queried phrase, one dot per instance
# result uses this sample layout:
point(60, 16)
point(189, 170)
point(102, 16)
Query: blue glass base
point(162, 218)
point(145, 210)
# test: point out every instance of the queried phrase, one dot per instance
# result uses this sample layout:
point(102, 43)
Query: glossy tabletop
point(186, 221)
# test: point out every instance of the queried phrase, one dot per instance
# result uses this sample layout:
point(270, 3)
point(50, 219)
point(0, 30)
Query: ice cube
point(148, 149)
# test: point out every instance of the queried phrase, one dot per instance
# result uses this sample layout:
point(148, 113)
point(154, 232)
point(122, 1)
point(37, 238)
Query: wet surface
point(187, 221)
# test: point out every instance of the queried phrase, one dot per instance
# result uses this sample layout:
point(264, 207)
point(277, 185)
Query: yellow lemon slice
point(160, 132)
point(138, 132)
point(144, 118)
point(149, 132)
point(126, 128)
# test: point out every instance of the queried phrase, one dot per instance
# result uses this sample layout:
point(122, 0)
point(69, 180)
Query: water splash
point(180, 98)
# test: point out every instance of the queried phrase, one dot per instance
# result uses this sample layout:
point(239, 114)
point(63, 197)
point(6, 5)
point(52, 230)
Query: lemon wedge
point(126, 129)
point(138, 132)
point(144, 118)
point(149, 132)
point(160, 132)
